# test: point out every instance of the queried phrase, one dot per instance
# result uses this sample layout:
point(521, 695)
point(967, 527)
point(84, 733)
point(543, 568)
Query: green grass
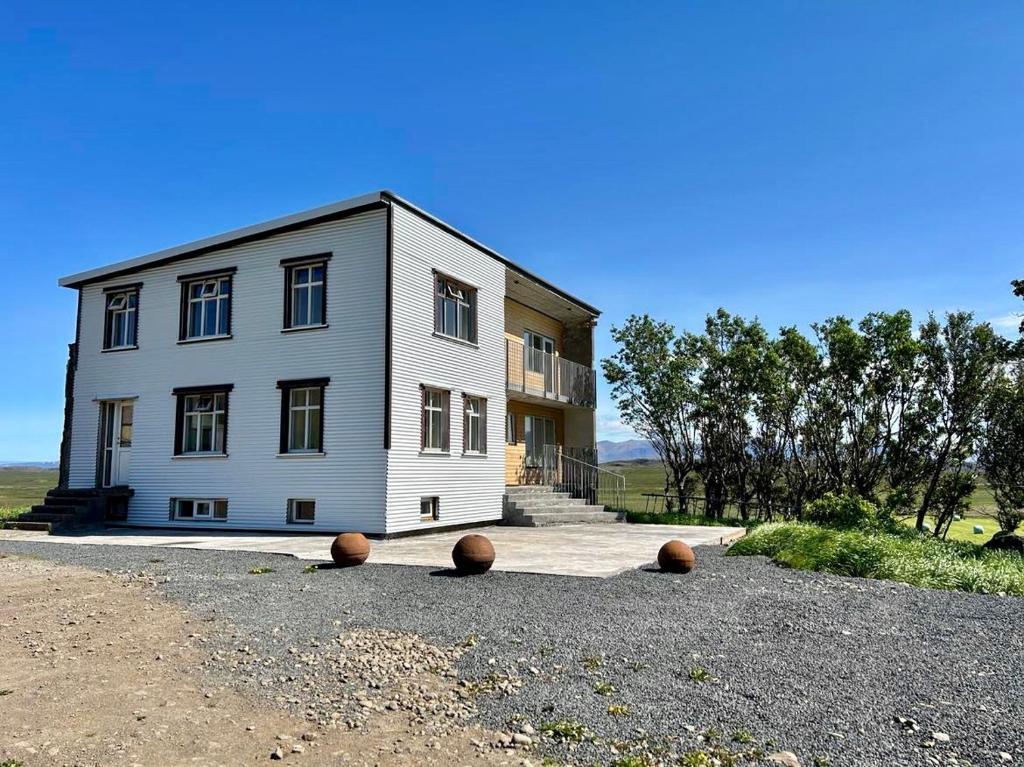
point(908, 558)
point(963, 530)
point(21, 488)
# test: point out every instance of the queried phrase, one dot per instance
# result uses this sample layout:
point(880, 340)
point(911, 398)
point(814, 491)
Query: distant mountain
point(28, 465)
point(629, 450)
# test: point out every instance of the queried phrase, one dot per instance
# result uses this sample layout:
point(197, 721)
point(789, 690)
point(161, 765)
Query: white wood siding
point(348, 483)
point(470, 487)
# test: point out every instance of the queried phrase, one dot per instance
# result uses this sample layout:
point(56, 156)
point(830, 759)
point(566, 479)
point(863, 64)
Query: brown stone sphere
point(676, 557)
point(473, 554)
point(350, 549)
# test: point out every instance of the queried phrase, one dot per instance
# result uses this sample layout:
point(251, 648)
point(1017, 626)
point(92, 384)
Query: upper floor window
point(540, 352)
point(206, 305)
point(305, 297)
point(434, 423)
point(302, 415)
point(454, 309)
point(201, 426)
point(474, 425)
point(121, 324)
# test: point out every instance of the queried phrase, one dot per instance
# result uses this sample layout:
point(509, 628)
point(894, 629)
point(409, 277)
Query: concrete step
point(68, 500)
point(48, 508)
point(545, 502)
point(17, 524)
point(47, 516)
point(528, 489)
point(545, 519)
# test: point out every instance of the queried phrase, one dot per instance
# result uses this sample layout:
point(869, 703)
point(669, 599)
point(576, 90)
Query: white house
point(359, 366)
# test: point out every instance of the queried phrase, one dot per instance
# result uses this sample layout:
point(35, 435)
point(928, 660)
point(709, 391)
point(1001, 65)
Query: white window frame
point(474, 422)
point(462, 325)
point(435, 437)
point(308, 287)
point(199, 415)
point(217, 300)
point(306, 409)
point(126, 313)
point(213, 507)
point(537, 362)
point(434, 505)
point(293, 518)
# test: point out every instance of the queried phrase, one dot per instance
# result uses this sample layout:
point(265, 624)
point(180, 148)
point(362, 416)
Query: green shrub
point(842, 511)
point(905, 557)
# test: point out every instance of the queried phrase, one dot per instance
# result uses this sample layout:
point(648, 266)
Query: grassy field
point(22, 488)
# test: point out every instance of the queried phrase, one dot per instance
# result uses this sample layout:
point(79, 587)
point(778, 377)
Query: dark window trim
point(474, 302)
point(297, 260)
point(483, 424)
point(226, 271)
point(286, 389)
point(136, 288)
point(446, 431)
point(290, 265)
point(435, 512)
point(181, 392)
point(186, 281)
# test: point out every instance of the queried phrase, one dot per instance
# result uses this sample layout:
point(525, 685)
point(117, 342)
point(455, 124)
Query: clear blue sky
point(785, 160)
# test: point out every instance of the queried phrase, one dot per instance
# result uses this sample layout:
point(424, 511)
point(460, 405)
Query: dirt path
point(98, 670)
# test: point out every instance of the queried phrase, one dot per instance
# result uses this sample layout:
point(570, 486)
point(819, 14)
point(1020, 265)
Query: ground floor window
point(200, 508)
point(429, 509)
point(301, 510)
point(474, 425)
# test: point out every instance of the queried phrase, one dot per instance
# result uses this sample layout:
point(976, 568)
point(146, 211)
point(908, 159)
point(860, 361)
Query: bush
point(906, 557)
point(844, 512)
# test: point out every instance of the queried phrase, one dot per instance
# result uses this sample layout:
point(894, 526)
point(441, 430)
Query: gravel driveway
point(815, 664)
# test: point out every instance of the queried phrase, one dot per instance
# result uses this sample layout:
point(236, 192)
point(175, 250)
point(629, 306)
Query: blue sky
point(785, 160)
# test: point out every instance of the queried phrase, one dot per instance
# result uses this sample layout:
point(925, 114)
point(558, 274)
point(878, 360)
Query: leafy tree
point(1002, 451)
point(960, 359)
point(652, 378)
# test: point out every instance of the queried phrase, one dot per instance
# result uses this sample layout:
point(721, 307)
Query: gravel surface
point(839, 671)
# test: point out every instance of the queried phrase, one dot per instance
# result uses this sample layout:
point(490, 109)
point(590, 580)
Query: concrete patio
point(596, 551)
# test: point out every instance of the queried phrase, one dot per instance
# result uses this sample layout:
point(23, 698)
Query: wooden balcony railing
point(549, 376)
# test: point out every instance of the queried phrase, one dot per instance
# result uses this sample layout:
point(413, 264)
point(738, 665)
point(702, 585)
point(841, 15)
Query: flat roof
point(342, 209)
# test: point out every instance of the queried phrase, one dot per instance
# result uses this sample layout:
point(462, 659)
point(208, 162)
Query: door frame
point(109, 445)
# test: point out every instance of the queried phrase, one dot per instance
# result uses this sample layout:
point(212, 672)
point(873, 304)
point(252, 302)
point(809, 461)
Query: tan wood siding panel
point(520, 318)
point(516, 453)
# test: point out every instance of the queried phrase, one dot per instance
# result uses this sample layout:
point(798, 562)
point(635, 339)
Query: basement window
point(429, 509)
point(301, 511)
point(200, 509)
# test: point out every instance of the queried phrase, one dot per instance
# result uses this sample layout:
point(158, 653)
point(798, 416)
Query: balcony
point(548, 376)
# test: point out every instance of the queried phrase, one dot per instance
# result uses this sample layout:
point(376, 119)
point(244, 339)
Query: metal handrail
point(547, 375)
point(581, 479)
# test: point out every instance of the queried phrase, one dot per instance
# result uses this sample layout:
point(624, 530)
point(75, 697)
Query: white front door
point(118, 423)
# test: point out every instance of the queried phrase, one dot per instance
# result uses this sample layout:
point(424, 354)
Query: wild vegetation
point(904, 417)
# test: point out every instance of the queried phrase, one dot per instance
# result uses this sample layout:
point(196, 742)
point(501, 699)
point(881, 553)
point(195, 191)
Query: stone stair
point(541, 506)
point(64, 510)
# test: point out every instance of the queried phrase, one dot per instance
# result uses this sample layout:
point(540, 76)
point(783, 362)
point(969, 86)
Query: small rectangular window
point(121, 323)
point(429, 511)
point(205, 306)
point(202, 509)
point(302, 415)
point(474, 425)
point(454, 309)
point(305, 298)
point(301, 511)
point(435, 419)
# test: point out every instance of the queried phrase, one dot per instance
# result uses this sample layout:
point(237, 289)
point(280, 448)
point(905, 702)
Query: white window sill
point(200, 519)
point(457, 340)
point(199, 456)
point(307, 522)
point(120, 349)
point(300, 328)
point(301, 455)
point(474, 454)
point(428, 451)
point(201, 339)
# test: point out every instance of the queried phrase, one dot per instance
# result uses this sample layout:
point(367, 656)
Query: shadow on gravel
point(449, 572)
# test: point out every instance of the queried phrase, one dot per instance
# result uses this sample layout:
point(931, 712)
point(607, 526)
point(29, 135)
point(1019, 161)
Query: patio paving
point(582, 550)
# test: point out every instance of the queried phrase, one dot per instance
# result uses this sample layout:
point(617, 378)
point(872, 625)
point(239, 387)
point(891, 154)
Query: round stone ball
point(676, 557)
point(473, 554)
point(350, 549)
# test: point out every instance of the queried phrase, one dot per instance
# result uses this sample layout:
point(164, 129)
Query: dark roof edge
point(351, 207)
